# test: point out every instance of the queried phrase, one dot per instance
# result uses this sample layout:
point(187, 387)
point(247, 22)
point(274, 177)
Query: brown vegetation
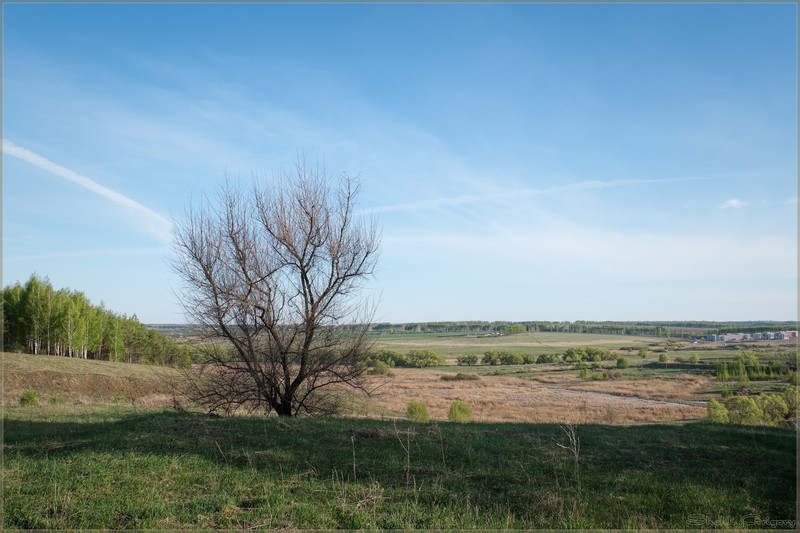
point(514, 399)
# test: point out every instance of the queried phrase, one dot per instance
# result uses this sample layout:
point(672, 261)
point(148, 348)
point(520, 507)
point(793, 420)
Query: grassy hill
point(126, 465)
point(79, 381)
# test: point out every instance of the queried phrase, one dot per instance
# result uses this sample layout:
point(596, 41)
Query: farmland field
point(453, 344)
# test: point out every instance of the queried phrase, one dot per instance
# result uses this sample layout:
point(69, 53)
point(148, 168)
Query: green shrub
point(529, 358)
point(423, 359)
point(694, 359)
point(663, 357)
point(459, 412)
point(460, 377)
point(29, 397)
point(717, 412)
point(643, 352)
point(491, 357)
point(417, 412)
point(469, 359)
point(547, 358)
point(790, 397)
point(379, 368)
point(744, 410)
point(57, 399)
point(774, 408)
point(389, 357)
point(511, 358)
point(622, 363)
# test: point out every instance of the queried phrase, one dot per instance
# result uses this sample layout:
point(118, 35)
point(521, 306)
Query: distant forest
point(672, 329)
point(39, 319)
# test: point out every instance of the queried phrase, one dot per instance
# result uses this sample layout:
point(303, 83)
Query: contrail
point(156, 224)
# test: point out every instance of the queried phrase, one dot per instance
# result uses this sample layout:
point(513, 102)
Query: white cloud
point(733, 203)
point(155, 224)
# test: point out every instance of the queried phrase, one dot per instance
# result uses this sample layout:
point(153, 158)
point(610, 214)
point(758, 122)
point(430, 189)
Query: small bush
point(663, 358)
point(622, 363)
point(460, 377)
point(58, 399)
point(29, 397)
point(469, 359)
point(717, 412)
point(511, 358)
point(790, 397)
point(379, 368)
point(547, 358)
point(417, 412)
point(694, 359)
point(744, 410)
point(459, 412)
point(423, 359)
point(491, 357)
point(774, 408)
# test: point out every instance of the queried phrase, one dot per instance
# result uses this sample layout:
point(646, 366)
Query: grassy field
point(118, 467)
point(452, 345)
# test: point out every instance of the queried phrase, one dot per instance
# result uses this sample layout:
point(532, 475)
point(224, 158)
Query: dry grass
point(512, 399)
point(546, 398)
point(85, 382)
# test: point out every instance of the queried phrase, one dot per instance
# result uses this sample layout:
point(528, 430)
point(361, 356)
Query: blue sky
point(525, 161)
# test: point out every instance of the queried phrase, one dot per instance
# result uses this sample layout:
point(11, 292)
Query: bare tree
point(276, 271)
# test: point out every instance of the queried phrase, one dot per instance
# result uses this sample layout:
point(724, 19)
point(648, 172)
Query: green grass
point(455, 344)
point(70, 467)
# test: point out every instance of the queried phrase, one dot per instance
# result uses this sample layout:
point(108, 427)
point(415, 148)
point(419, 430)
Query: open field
point(119, 467)
point(452, 345)
point(553, 398)
point(535, 393)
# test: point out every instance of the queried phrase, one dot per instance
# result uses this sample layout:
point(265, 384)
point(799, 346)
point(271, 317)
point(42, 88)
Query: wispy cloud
point(155, 224)
point(466, 199)
point(733, 203)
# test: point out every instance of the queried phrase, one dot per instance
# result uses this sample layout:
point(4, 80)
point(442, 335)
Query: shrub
point(423, 358)
point(663, 357)
point(622, 363)
point(547, 358)
point(492, 357)
point(417, 412)
point(511, 358)
point(529, 358)
point(469, 359)
point(379, 368)
point(744, 410)
point(57, 399)
point(643, 352)
point(389, 357)
point(774, 408)
point(459, 412)
point(694, 359)
point(460, 377)
point(575, 354)
point(717, 412)
point(790, 397)
point(29, 397)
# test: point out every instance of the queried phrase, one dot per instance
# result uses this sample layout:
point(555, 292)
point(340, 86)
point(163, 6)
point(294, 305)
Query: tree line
point(39, 319)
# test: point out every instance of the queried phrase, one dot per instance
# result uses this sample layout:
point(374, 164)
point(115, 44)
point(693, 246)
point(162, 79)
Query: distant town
point(763, 336)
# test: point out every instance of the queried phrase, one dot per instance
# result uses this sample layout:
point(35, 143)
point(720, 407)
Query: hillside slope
point(86, 381)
